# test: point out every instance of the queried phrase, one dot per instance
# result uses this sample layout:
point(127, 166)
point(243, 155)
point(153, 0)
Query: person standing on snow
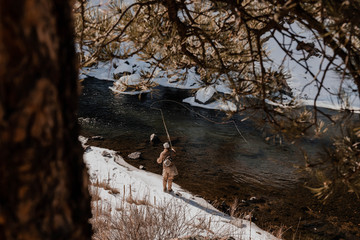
point(169, 169)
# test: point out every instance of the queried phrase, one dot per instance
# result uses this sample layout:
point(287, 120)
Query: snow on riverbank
point(132, 67)
point(304, 89)
point(107, 166)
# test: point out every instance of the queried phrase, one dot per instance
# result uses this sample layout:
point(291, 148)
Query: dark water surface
point(210, 148)
point(214, 160)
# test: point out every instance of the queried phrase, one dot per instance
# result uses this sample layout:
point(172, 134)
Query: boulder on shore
point(205, 95)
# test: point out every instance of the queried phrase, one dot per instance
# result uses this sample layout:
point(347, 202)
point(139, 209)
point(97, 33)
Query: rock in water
point(134, 155)
point(154, 139)
point(97, 138)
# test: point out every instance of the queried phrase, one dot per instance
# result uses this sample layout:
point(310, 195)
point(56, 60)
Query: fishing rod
point(191, 110)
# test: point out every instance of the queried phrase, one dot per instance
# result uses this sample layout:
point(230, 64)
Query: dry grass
point(95, 193)
point(105, 185)
point(135, 201)
point(134, 219)
point(234, 208)
point(278, 231)
point(137, 219)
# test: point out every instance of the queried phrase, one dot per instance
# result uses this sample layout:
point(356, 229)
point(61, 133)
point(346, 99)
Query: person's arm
point(161, 157)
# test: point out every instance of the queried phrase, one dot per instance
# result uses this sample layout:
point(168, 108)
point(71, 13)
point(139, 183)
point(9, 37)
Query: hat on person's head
point(166, 145)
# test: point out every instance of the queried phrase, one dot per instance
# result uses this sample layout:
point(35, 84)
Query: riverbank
point(293, 210)
point(120, 190)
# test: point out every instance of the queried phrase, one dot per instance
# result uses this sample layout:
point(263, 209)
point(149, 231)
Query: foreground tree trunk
point(43, 180)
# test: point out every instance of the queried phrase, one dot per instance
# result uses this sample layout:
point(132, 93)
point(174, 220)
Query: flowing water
point(210, 149)
point(214, 160)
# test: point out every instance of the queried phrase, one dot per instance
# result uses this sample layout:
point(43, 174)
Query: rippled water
point(211, 150)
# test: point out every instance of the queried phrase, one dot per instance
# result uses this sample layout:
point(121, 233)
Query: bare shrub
point(134, 218)
point(137, 218)
point(140, 220)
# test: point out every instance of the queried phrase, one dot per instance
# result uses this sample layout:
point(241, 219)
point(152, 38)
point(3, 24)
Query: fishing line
point(191, 110)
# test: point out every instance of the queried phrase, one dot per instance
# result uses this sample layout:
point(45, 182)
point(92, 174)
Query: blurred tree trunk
point(43, 179)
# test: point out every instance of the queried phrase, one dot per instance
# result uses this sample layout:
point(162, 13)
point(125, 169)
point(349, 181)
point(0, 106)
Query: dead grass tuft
point(132, 200)
point(105, 185)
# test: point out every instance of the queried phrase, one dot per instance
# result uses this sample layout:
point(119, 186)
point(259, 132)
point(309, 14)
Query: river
point(214, 160)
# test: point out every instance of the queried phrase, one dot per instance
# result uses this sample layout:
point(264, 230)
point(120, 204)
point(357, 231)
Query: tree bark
point(43, 179)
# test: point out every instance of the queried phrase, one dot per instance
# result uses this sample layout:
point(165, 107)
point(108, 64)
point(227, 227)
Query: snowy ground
point(106, 165)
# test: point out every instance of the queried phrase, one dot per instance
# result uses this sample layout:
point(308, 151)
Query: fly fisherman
point(169, 169)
